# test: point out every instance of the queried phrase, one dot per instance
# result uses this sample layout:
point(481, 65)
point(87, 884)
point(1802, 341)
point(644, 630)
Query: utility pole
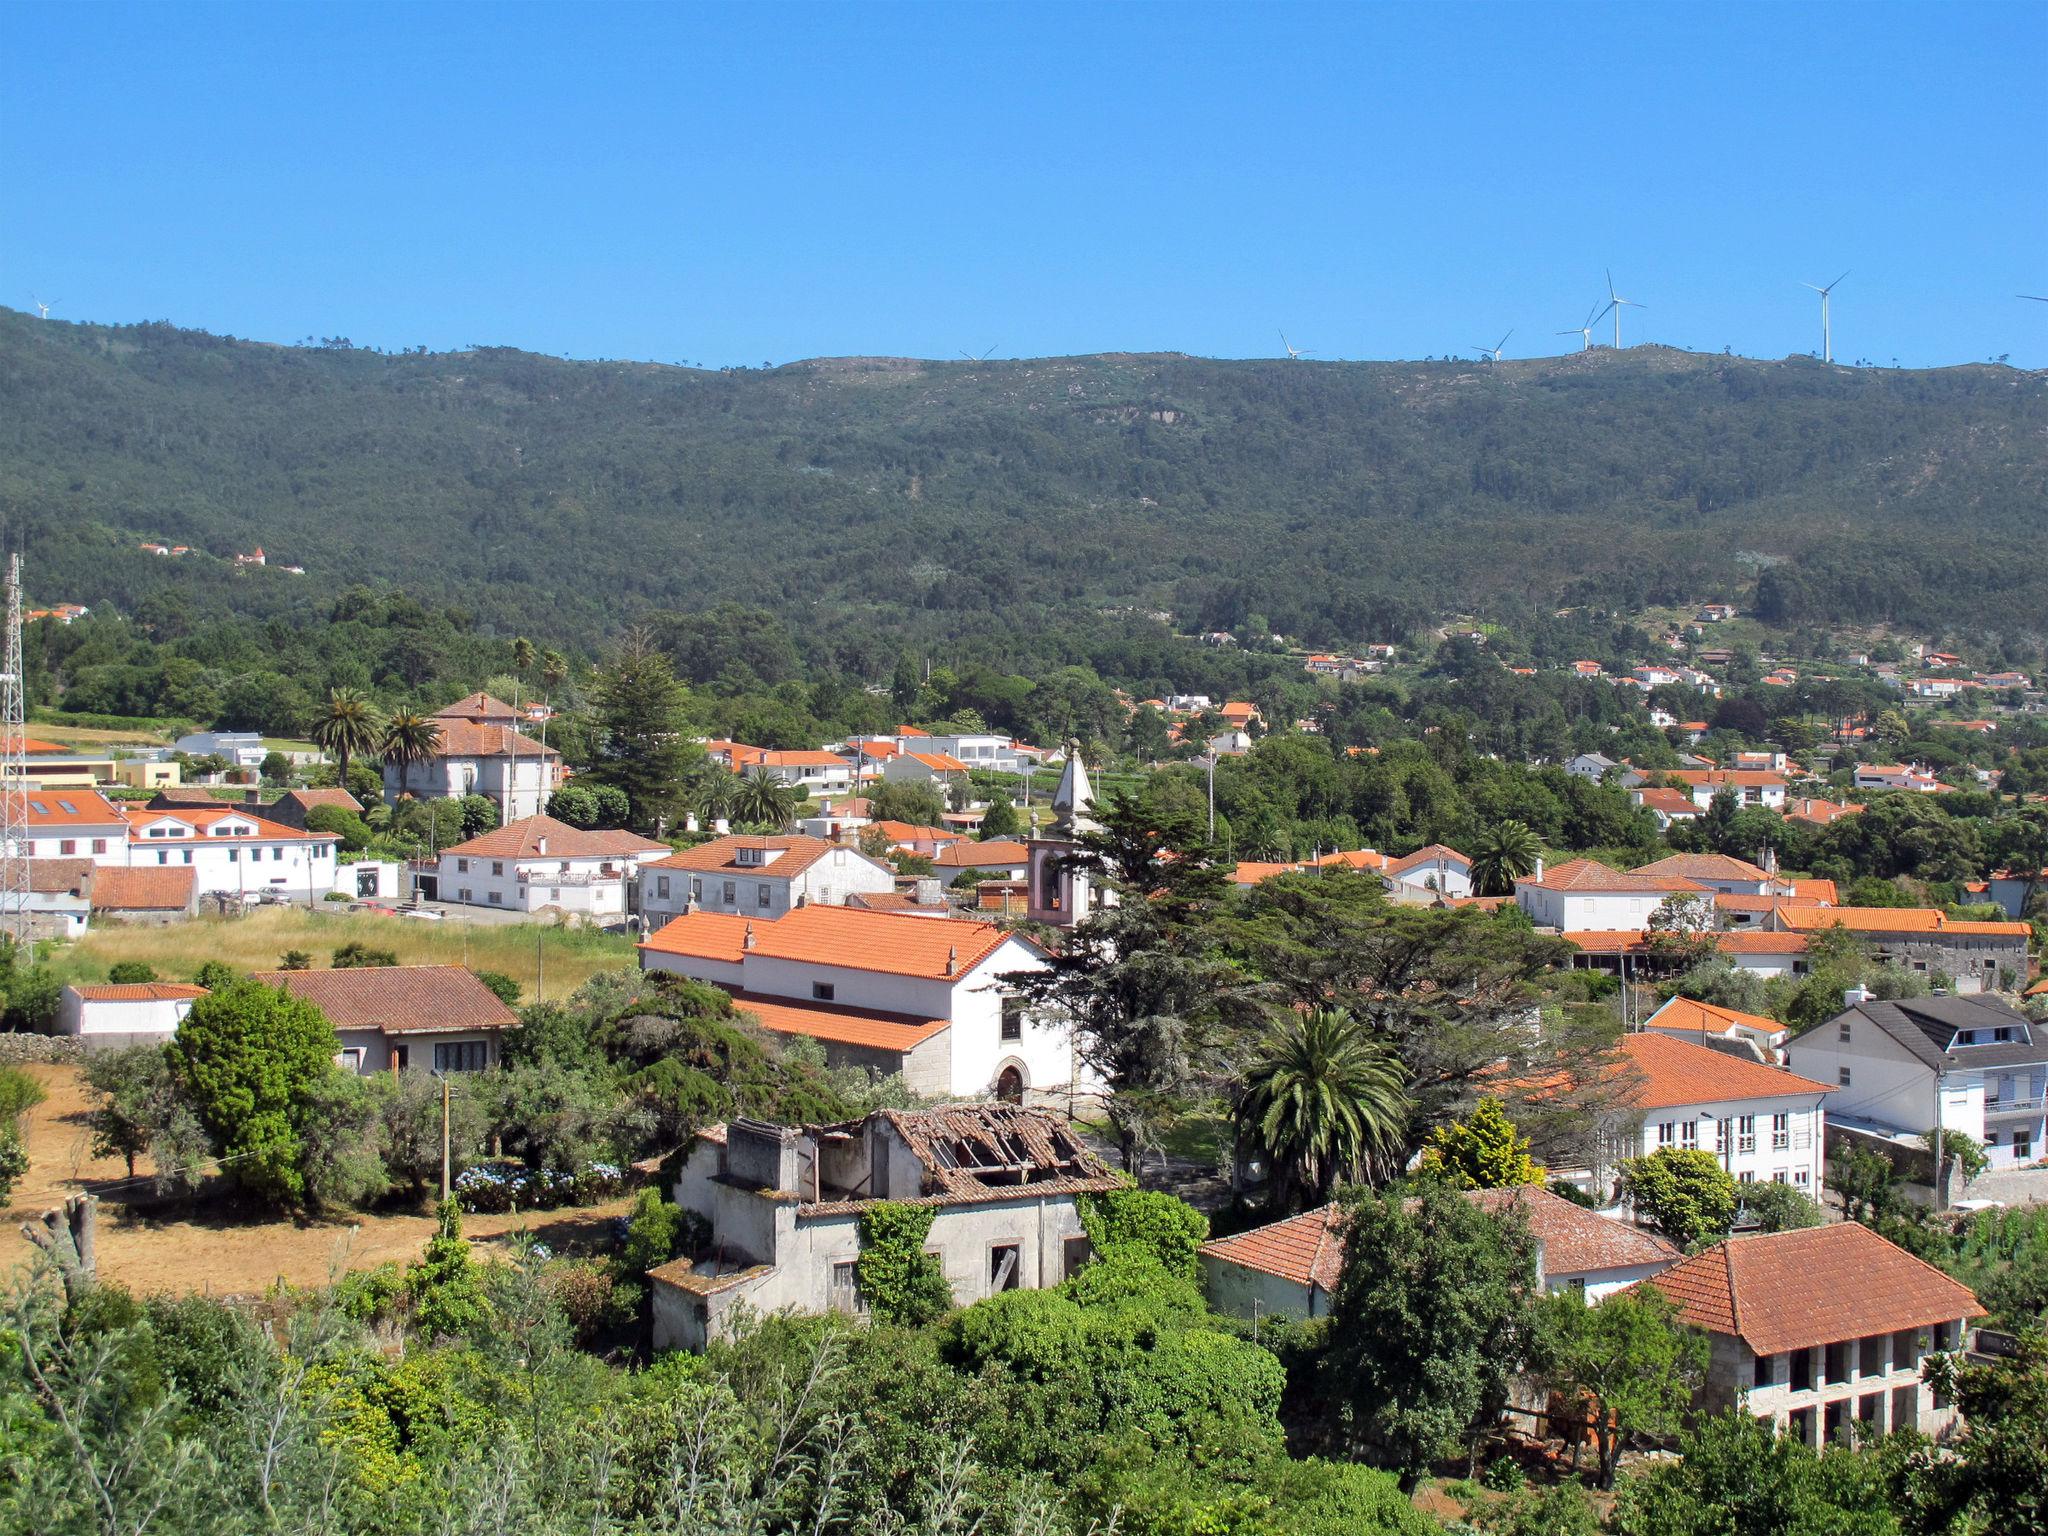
point(1940, 1139)
point(444, 1134)
point(14, 842)
point(540, 969)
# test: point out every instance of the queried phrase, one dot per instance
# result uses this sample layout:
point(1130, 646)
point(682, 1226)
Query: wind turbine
point(1295, 352)
point(46, 308)
point(1492, 354)
point(972, 358)
point(1616, 303)
point(2034, 296)
point(1827, 336)
point(1585, 332)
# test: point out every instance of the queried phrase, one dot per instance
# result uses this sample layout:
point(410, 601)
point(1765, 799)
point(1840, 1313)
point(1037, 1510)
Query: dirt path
point(199, 1246)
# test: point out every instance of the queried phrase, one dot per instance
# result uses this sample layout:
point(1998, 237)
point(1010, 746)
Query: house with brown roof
point(75, 824)
point(1584, 894)
point(1291, 1268)
point(763, 877)
point(481, 752)
point(784, 1204)
point(125, 1013)
point(1669, 806)
point(898, 993)
point(1822, 1331)
point(540, 864)
point(817, 773)
point(233, 852)
point(1709, 1023)
point(1715, 871)
point(942, 770)
point(393, 1017)
point(291, 808)
point(1005, 857)
point(144, 894)
point(59, 904)
point(1975, 957)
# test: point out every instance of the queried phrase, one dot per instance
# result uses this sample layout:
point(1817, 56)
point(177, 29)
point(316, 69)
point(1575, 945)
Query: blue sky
point(751, 183)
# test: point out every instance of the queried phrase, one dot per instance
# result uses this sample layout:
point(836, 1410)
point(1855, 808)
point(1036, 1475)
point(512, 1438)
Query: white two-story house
point(75, 824)
point(544, 864)
point(1586, 895)
point(1969, 1064)
point(898, 993)
point(816, 773)
point(481, 752)
point(765, 877)
point(233, 852)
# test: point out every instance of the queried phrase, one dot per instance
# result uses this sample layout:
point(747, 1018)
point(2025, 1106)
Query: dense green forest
point(879, 501)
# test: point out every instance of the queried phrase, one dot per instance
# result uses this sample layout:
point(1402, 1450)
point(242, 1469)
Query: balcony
point(2030, 1106)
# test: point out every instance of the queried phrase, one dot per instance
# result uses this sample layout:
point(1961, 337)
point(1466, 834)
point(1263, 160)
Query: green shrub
point(130, 972)
point(1169, 1229)
point(902, 1283)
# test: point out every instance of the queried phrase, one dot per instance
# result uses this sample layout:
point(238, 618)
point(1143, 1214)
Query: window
point(661, 886)
point(1760, 1376)
point(821, 991)
point(67, 846)
point(696, 889)
point(349, 1058)
point(1871, 1355)
point(497, 866)
point(764, 895)
point(732, 893)
point(1745, 1134)
point(2000, 1034)
point(188, 855)
point(1801, 1176)
point(462, 866)
point(1005, 1267)
point(162, 857)
point(1847, 1033)
point(1663, 1133)
point(462, 1056)
point(497, 898)
point(1781, 1132)
point(1013, 1018)
point(1801, 1379)
point(235, 856)
point(1778, 1176)
point(1076, 1252)
point(1747, 1176)
point(2023, 1146)
point(1844, 1077)
point(1688, 1133)
point(99, 845)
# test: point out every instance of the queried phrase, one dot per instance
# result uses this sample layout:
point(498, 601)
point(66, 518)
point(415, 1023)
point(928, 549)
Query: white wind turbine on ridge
point(1585, 332)
point(1827, 335)
point(1295, 352)
point(1492, 354)
point(1617, 303)
point(44, 309)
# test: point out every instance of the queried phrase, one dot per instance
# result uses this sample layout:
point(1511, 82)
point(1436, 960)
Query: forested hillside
point(973, 501)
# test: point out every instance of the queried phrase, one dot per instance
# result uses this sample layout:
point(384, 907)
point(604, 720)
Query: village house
point(1715, 871)
point(1005, 858)
point(1906, 776)
point(783, 1205)
point(241, 749)
point(1967, 1064)
point(1669, 806)
point(1975, 957)
point(1749, 786)
point(840, 819)
point(393, 1017)
point(1591, 766)
point(115, 1014)
point(908, 837)
point(758, 876)
point(541, 864)
point(1823, 1331)
point(481, 752)
point(940, 769)
point(143, 895)
point(982, 749)
point(75, 824)
point(1585, 894)
point(893, 992)
point(1290, 1269)
point(822, 773)
point(233, 852)
point(1763, 1123)
point(1427, 874)
point(59, 898)
point(1690, 1019)
point(291, 808)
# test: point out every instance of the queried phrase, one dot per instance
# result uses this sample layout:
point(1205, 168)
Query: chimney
point(926, 892)
point(748, 941)
point(1539, 869)
point(952, 959)
point(540, 845)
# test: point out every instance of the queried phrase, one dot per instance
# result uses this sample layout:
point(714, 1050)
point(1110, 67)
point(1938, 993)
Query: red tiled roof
point(1821, 1285)
point(478, 706)
point(1696, 1017)
point(139, 888)
point(1676, 1072)
point(1892, 920)
point(877, 941)
point(60, 877)
point(1592, 875)
point(313, 798)
point(1672, 802)
point(938, 762)
point(702, 936)
point(801, 760)
point(54, 809)
point(910, 832)
point(397, 999)
point(995, 852)
point(1733, 778)
point(1703, 867)
point(521, 840)
point(467, 738)
point(846, 1026)
point(204, 818)
point(1254, 871)
point(138, 991)
point(1307, 1249)
point(1427, 857)
point(1354, 858)
point(721, 856)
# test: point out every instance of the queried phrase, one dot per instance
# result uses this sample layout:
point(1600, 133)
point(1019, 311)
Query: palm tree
point(1325, 1100)
point(522, 656)
point(766, 799)
point(347, 727)
point(410, 740)
point(715, 794)
point(554, 670)
point(1506, 851)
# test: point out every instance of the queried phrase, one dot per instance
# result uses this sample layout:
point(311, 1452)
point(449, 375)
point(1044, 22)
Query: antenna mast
point(14, 844)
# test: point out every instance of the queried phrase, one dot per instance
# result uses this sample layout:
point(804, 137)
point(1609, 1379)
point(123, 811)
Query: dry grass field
point(530, 953)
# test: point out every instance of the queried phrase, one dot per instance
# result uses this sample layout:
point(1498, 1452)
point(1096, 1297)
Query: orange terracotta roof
point(1782, 1291)
point(1672, 802)
point(1822, 891)
point(31, 745)
point(1677, 1072)
point(138, 992)
point(1422, 857)
point(1803, 919)
point(1592, 875)
point(844, 1026)
point(1732, 778)
point(721, 856)
point(876, 941)
point(1307, 1249)
point(141, 888)
point(1253, 871)
point(203, 819)
point(702, 936)
point(53, 809)
point(1696, 1017)
point(802, 760)
point(1354, 858)
point(1760, 943)
point(398, 999)
point(521, 840)
point(468, 738)
point(910, 832)
point(478, 706)
point(1704, 867)
point(938, 762)
point(996, 852)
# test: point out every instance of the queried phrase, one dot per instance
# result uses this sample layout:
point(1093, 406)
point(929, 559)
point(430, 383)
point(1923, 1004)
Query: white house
point(819, 773)
point(540, 863)
point(242, 749)
point(784, 1203)
point(1592, 766)
point(75, 824)
point(765, 877)
point(1690, 1019)
point(1968, 1064)
point(395, 1017)
point(1003, 857)
point(1429, 872)
point(1585, 894)
point(840, 819)
point(1824, 1332)
point(1291, 1268)
point(879, 989)
point(481, 752)
point(1764, 1123)
point(981, 749)
point(1717, 872)
point(230, 851)
point(1749, 786)
point(125, 1013)
point(59, 897)
point(920, 767)
point(1910, 777)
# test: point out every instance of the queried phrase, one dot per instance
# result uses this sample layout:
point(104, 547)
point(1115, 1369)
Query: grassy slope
point(255, 942)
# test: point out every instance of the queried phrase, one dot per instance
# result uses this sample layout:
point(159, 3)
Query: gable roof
point(479, 707)
point(870, 1027)
point(1309, 1249)
point(1732, 778)
point(310, 799)
point(702, 936)
point(1696, 1017)
point(139, 992)
point(1427, 857)
point(910, 832)
point(721, 856)
point(1780, 1291)
point(853, 939)
point(1672, 802)
point(60, 877)
point(141, 888)
point(521, 839)
point(801, 760)
point(1925, 1025)
point(938, 762)
point(996, 851)
point(1811, 919)
point(398, 999)
point(204, 818)
point(52, 810)
point(471, 738)
point(1704, 867)
point(1675, 1073)
point(1592, 875)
